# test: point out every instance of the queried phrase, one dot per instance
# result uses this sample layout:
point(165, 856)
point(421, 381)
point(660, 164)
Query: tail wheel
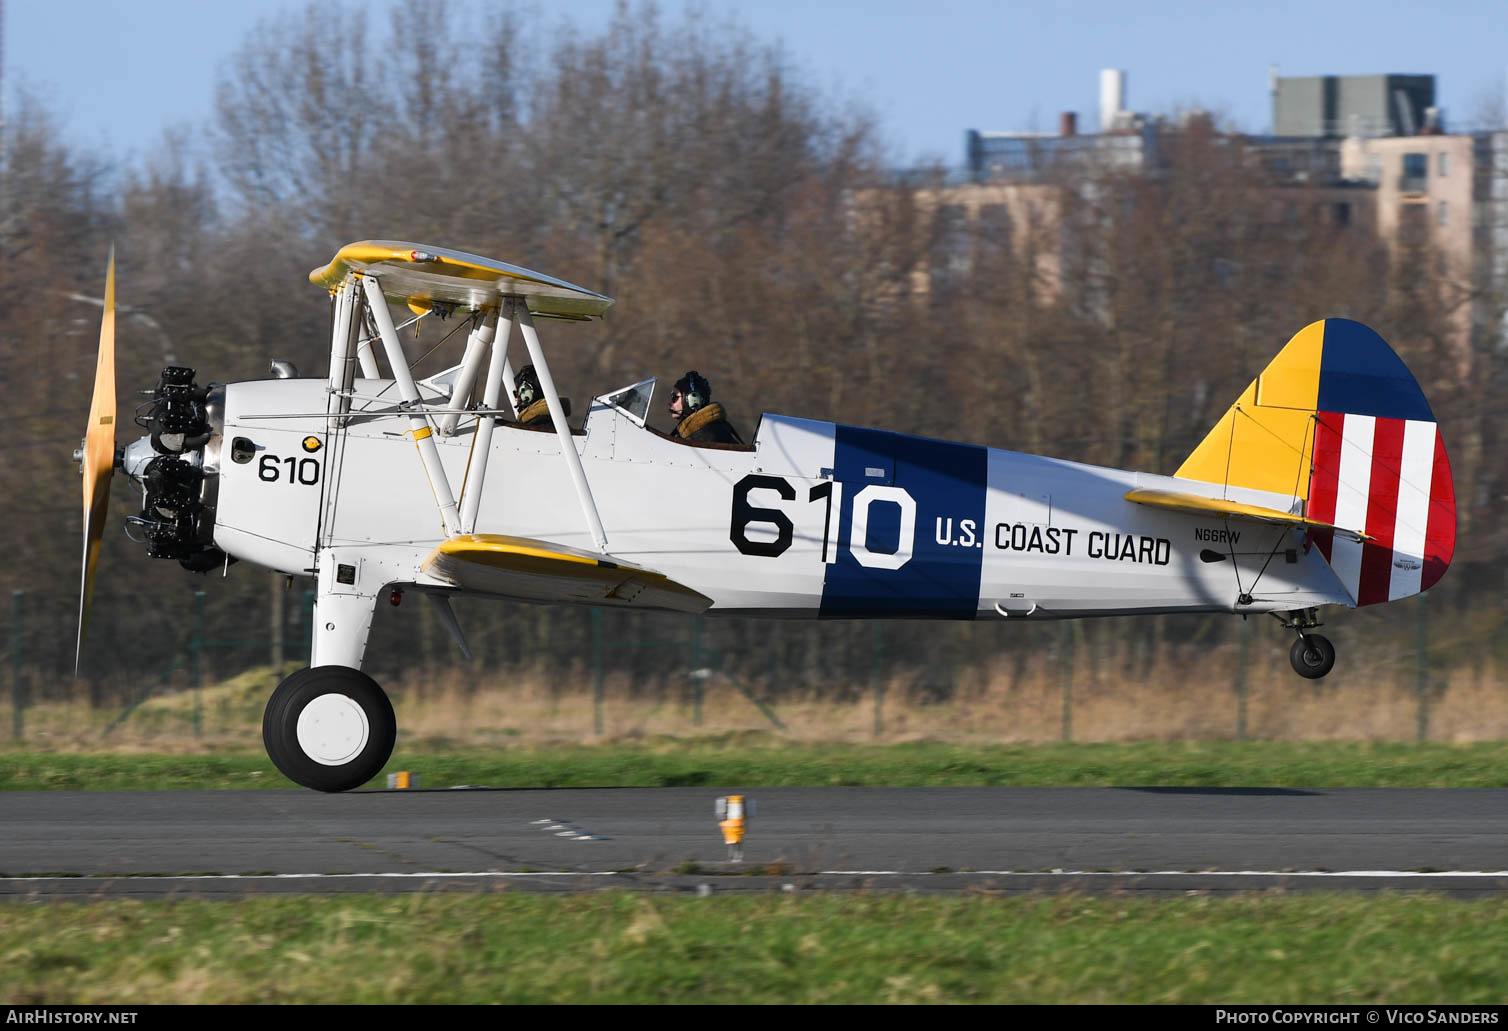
point(1312, 656)
point(330, 728)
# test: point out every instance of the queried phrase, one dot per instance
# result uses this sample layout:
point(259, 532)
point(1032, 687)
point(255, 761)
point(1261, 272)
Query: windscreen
point(633, 401)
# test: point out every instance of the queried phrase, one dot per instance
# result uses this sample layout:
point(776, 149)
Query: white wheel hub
point(333, 729)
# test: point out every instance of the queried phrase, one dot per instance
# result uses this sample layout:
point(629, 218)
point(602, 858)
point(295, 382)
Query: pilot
point(529, 398)
point(698, 418)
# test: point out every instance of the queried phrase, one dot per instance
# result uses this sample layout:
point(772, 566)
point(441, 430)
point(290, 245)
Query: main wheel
point(1312, 656)
point(330, 728)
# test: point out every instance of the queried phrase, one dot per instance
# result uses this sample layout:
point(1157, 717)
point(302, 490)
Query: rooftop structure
point(1335, 106)
point(1126, 140)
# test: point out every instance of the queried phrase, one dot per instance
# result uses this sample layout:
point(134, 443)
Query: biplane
point(1325, 483)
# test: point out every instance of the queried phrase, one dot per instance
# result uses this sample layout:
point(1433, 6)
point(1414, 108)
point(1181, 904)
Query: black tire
point(348, 738)
point(1312, 656)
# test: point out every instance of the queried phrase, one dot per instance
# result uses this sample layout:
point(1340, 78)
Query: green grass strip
point(758, 760)
point(636, 948)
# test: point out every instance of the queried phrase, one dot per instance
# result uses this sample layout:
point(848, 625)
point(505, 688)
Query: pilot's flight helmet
point(526, 388)
point(695, 391)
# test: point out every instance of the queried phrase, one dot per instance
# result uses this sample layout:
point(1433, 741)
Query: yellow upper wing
point(420, 276)
point(533, 570)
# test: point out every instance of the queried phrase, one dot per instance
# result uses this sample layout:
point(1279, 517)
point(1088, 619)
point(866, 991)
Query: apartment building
point(1368, 154)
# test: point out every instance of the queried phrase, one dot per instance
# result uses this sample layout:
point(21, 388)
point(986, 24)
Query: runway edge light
point(401, 780)
point(734, 813)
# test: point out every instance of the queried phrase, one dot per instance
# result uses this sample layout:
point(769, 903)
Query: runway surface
point(1171, 840)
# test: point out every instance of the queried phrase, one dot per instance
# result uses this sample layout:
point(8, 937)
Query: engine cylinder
point(179, 485)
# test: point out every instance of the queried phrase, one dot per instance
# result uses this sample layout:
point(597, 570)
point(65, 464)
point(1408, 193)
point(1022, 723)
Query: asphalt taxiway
point(1149, 839)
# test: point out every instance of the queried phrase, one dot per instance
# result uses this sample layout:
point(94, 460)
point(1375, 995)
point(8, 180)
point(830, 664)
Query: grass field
point(626, 948)
point(762, 759)
point(522, 733)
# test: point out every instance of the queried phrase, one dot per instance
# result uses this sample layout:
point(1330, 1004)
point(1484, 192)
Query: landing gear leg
point(1312, 655)
point(330, 727)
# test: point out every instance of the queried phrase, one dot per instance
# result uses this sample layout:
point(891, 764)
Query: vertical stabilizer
point(1338, 422)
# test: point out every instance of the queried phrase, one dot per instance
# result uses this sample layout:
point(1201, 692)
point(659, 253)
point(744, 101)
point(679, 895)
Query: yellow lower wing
point(1198, 505)
point(533, 570)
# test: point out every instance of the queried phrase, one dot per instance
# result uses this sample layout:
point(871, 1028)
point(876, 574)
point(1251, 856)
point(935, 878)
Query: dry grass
point(1019, 703)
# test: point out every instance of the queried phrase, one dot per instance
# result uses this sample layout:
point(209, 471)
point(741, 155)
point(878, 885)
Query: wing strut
point(497, 373)
point(562, 431)
point(477, 343)
point(409, 392)
point(342, 360)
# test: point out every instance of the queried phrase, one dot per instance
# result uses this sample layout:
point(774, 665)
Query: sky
point(118, 72)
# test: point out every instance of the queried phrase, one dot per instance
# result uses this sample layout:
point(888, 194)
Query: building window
point(1442, 213)
point(994, 226)
point(1415, 173)
point(1443, 163)
point(950, 246)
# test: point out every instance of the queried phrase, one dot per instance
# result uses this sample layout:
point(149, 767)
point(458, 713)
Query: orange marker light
point(734, 812)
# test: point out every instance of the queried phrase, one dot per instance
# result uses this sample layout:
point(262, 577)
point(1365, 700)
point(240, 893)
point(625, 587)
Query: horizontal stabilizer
point(534, 570)
point(1198, 505)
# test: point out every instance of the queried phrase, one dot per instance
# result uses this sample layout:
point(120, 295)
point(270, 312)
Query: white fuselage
point(816, 520)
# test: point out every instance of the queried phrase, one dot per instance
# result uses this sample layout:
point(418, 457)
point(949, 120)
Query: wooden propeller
point(97, 456)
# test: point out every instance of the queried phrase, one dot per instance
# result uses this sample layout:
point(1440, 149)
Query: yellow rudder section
point(1266, 439)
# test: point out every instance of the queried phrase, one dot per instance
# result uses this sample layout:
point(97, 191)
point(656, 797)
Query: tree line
point(749, 225)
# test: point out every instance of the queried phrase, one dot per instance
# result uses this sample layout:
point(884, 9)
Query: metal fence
point(765, 662)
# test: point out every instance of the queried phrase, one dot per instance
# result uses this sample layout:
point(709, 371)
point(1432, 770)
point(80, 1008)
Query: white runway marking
point(321, 876)
point(1181, 873)
point(819, 873)
point(566, 830)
